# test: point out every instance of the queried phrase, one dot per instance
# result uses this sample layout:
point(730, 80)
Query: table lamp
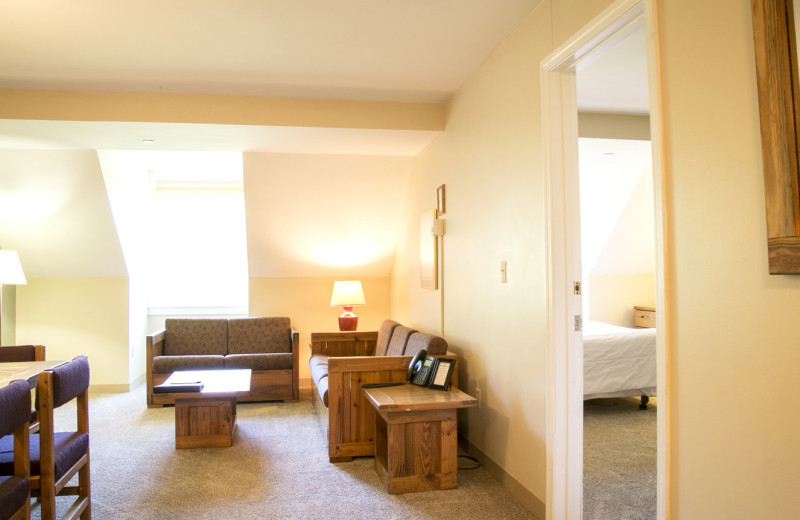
point(348, 295)
point(10, 274)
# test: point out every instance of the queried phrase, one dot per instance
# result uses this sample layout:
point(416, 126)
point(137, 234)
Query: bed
point(618, 362)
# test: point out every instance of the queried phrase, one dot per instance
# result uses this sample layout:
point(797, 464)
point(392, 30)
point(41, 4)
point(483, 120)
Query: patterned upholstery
point(434, 345)
point(15, 406)
point(271, 361)
point(397, 345)
point(13, 494)
point(18, 353)
point(70, 380)
point(69, 448)
point(169, 364)
point(187, 336)
point(384, 335)
point(259, 335)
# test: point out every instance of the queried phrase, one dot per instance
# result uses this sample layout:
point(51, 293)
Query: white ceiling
point(394, 50)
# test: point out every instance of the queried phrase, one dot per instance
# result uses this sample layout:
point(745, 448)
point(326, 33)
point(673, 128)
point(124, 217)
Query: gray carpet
point(619, 460)
point(277, 468)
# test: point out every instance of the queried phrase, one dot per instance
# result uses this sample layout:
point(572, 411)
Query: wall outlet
point(478, 397)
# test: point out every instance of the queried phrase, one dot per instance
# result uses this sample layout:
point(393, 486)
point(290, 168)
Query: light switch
point(503, 272)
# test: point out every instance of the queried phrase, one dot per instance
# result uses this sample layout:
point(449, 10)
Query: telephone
point(430, 371)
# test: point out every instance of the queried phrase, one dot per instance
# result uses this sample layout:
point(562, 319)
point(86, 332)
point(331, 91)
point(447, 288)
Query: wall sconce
point(347, 295)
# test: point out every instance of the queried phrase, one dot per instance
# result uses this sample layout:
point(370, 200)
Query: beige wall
point(613, 296)
point(734, 337)
point(8, 318)
point(306, 301)
point(73, 316)
point(734, 348)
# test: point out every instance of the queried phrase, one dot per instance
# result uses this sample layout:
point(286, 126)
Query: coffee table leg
point(205, 423)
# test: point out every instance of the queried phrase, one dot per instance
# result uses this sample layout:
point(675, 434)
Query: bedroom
point(618, 285)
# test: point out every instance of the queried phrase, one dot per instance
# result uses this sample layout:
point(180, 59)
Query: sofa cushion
point(196, 336)
point(384, 336)
point(259, 335)
point(69, 447)
point(397, 345)
point(434, 345)
point(266, 361)
point(14, 491)
point(169, 364)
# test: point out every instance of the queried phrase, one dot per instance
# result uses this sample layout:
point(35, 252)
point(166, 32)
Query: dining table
point(27, 370)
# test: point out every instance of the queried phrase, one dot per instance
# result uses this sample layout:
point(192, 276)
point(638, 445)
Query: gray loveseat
point(268, 346)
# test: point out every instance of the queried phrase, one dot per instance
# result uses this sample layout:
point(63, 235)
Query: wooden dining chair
point(16, 353)
point(56, 457)
point(15, 488)
point(21, 353)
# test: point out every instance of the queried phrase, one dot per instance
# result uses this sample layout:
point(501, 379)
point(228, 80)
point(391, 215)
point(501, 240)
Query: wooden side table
point(416, 439)
point(644, 317)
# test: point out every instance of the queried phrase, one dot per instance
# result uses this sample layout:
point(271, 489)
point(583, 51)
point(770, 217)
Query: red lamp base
point(348, 321)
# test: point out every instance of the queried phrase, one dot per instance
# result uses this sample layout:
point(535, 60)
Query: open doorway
point(570, 308)
point(618, 272)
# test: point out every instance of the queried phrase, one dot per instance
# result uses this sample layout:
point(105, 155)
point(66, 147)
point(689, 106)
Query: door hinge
point(576, 288)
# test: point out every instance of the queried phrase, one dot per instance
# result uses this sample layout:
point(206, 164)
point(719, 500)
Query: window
point(198, 257)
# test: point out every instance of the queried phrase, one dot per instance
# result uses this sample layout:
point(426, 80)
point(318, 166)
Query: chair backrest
point(69, 380)
point(15, 406)
point(16, 353)
point(397, 345)
point(384, 336)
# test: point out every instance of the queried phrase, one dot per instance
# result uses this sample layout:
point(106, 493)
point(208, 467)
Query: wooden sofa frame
point(265, 385)
point(348, 418)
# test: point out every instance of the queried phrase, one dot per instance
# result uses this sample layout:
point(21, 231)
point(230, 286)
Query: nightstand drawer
point(644, 317)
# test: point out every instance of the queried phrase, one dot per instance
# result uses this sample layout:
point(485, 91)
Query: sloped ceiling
point(54, 211)
point(323, 215)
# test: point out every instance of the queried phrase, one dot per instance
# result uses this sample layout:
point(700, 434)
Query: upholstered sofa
point(268, 346)
point(342, 361)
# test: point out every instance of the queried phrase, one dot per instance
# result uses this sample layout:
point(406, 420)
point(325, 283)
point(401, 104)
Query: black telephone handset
point(430, 371)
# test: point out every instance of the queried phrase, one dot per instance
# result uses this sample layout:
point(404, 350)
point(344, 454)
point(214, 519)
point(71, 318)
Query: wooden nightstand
point(644, 317)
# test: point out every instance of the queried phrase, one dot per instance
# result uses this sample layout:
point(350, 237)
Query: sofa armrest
point(295, 364)
point(335, 344)
point(154, 346)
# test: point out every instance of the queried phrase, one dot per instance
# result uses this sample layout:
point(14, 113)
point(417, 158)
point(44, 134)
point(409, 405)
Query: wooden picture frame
point(440, 202)
point(779, 109)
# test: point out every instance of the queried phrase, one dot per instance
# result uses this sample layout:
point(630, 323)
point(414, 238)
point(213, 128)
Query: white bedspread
point(617, 361)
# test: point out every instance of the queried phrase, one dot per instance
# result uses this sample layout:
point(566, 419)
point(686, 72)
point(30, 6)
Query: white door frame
point(564, 442)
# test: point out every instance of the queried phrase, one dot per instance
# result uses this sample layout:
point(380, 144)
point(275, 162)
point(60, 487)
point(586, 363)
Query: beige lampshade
point(10, 269)
point(347, 294)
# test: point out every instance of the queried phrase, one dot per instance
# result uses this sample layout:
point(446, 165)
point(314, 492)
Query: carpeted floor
point(619, 460)
point(277, 468)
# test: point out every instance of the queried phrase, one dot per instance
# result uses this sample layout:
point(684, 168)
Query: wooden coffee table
point(207, 419)
point(416, 441)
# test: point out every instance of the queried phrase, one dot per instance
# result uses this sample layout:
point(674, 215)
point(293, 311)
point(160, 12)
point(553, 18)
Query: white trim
point(564, 438)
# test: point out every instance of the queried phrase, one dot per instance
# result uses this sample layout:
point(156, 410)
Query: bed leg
point(643, 404)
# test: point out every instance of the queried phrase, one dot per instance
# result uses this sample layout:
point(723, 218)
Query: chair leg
point(85, 486)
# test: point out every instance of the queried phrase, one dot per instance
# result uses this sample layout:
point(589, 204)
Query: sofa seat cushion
point(278, 361)
point(196, 336)
point(169, 364)
point(319, 374)
point(14, 491)
point(434, 345)
point(259, 335)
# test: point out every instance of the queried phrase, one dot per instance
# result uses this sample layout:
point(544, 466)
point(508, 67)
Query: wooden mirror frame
point(779, 108)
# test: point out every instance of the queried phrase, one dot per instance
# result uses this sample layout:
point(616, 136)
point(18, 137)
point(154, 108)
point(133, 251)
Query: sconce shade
point(348, 295)
point(10, 269)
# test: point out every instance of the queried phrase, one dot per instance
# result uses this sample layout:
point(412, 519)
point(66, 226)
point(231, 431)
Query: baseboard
point(117, 389)
point(528, 499)
point(304, 382)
